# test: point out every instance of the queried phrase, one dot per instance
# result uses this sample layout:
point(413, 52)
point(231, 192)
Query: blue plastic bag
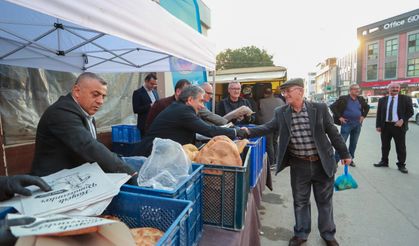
point(345, 181)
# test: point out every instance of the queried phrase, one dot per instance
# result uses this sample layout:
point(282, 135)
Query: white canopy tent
point(99, 36)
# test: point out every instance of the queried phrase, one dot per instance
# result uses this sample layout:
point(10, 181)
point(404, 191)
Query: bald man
point(66, 133)
point(207, 115)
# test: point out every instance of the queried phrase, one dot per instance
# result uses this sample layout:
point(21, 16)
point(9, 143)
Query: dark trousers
point(272, 147)
point(304, 175)
point(388, 132)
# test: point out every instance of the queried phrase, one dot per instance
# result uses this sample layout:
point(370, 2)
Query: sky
point(299, 34)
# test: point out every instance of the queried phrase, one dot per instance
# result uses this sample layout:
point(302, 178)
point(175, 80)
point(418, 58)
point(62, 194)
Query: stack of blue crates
point(190, 189)
point(125, 138)
point(256, 159)
point(168, 215)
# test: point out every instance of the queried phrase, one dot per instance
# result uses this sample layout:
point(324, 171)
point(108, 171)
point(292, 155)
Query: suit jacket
point(325, 134)
point(211, 117)
point(404, 111)
point(157, 108)
point(63, 140)
point(267, 108)
point(179, 122)
point(141, 105)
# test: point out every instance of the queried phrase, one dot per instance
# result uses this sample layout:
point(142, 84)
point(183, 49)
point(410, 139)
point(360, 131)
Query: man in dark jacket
point(393, 113)
point(143, 99)
point(306, 137)
point(66, 133)
point(350, 111)
point(234, 101)
point(179, 122)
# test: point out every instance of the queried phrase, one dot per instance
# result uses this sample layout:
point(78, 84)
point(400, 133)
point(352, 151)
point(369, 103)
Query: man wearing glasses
point(306, 137)
point(350, 111)
point(234, 101)
point(206, 114)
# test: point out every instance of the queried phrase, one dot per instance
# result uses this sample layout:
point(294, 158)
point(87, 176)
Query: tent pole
point(213, 91)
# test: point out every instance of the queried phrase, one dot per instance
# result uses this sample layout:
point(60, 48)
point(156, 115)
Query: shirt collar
point(303, 109)
point(88, 116)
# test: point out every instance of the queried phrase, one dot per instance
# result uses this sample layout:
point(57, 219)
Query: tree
point(249, 56)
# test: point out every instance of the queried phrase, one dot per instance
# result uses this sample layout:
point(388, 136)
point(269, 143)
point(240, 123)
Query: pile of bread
point(143, 236)
point(220, 150)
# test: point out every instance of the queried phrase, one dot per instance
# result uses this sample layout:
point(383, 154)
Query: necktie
point(390, 110)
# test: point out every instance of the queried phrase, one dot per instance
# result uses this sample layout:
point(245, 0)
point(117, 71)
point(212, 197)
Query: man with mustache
point(393, 113)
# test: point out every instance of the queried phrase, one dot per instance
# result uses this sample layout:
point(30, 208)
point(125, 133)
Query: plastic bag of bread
point(219, 150)
point(166, 167)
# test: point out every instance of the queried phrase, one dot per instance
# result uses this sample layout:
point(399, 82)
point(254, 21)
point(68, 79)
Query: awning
point(99, 36)
point(385, 83)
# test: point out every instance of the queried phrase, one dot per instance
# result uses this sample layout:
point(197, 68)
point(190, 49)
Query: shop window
point(392, 47)
point(413, 67)
point(413, 43)
point(390, 70)
point(373, 51)
point(372, 72)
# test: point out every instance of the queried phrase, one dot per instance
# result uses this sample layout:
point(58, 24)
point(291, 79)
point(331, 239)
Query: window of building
point(390, 70)
point(392, 47)
point(372, 72)
point(373, 51)
point(413, 67)
point(413, 43)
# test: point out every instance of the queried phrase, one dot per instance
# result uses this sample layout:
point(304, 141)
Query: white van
point(415, 117)
point(373, 102)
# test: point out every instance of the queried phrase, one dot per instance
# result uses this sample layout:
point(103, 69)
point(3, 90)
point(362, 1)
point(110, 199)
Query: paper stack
point(82, 191)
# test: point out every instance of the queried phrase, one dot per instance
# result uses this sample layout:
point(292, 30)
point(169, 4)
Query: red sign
point(386, 82)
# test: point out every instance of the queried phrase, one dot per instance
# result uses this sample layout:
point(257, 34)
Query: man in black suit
point(66, 133)
point(143, 99)
point(307, 136)
point(180, 122)
point(393, 113)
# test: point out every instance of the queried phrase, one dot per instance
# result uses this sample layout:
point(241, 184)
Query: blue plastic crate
point(165, 214)
point(256, 159)
point(125, 134)
point(225, 193)
point(6, 210)
point(124, 149)
point(190, 189)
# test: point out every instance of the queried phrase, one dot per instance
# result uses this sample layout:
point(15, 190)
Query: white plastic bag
point(166, 167)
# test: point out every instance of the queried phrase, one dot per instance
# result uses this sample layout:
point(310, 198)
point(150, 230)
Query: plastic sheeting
point(25, 93)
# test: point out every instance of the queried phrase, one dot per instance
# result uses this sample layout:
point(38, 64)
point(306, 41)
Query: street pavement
point(384, 210)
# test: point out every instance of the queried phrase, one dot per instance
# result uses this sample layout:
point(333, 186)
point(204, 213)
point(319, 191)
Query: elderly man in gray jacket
point(307, 136)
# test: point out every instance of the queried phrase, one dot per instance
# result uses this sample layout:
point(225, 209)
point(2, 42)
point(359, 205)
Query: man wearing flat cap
point(307, 136)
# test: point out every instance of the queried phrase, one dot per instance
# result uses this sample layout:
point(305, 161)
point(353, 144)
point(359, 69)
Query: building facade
point(389, 52)
point(346, 72)
point(326, 77)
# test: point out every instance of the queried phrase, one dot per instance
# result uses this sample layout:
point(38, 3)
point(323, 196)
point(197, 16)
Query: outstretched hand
point(16, 184)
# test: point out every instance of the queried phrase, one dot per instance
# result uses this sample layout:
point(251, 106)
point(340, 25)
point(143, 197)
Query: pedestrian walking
point(349, 112)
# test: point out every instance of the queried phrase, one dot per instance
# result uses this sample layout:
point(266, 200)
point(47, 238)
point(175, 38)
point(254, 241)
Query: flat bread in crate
point(191, 151)
point(146, 236)
point(241, 144)
point(220, 150)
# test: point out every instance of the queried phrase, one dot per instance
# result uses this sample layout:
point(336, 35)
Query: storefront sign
point(382, 84)
point(399, 23)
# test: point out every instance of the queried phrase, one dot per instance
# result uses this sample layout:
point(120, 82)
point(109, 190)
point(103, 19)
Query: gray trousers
point(304, 175)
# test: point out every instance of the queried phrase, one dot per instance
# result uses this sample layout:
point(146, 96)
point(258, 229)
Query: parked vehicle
point(373, 102)
point(415, 117)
